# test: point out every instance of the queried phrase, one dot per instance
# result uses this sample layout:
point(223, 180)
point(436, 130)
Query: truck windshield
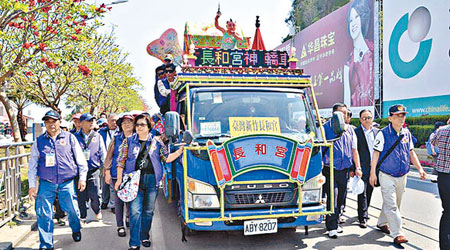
point(222, 114)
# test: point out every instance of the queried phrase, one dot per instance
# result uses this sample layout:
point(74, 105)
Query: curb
point(10, 237)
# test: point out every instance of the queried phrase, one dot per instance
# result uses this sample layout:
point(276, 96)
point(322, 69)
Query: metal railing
point(11, 163)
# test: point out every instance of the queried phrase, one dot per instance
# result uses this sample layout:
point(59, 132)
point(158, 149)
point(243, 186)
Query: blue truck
point(252, 159)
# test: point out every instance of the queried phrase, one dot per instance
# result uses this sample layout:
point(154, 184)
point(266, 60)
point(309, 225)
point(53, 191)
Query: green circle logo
point(418, 27)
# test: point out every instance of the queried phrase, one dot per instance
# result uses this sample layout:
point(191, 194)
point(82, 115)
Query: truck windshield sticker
point(204, 96)
point(252, 152)
point(209, 128)
point(251, 125)
point(217, 97)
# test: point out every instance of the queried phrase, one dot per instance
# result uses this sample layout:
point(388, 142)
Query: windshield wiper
point(212, 136)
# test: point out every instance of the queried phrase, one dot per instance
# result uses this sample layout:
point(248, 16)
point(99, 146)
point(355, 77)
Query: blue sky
point(139, 22)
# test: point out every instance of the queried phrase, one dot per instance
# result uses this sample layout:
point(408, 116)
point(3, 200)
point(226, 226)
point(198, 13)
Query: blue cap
point(86, 117)
point(101, 121)
point(397, 109)
point(51, 114)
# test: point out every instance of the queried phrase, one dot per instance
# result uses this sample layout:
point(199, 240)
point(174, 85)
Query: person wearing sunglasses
point(365, 134)
point(138, 157)
point(162, 90)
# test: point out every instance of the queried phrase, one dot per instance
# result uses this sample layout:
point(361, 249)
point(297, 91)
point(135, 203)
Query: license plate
point(252, 227)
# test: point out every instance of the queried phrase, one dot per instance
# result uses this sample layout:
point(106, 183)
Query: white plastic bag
point(357, 185)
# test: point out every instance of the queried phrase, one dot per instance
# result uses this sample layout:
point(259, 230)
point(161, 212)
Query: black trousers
point(364, 201)
point(90, 193)
point(340, 192)
point(59, 214)
point(165, 106)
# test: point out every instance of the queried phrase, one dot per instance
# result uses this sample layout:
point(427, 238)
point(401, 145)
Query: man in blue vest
point(56, 158)
point(393, 170)
point(107, 134)
point(94, 151)
point(344, 153)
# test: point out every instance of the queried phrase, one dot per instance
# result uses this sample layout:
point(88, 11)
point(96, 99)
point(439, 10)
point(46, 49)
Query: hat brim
point(88, 120)
point(50, 117)
point(398, 112)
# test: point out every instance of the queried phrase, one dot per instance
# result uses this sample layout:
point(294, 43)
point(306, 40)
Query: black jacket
point(363, 151)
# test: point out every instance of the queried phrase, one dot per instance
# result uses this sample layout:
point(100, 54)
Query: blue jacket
point(134, 148)
point(97, 152)
point(398, 161)
point(342, 148)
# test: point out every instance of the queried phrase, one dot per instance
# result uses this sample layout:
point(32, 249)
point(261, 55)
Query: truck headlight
point(311, 196)
point(202, 195)
point(312, 190)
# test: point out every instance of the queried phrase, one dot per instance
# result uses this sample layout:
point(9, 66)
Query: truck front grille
point(276, 197)
point(261, 195)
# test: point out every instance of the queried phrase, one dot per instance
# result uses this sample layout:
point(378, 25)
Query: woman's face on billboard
point(354, 24)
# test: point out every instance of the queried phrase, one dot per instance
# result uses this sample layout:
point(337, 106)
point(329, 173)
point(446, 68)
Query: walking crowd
point(382, 158)
point(89, 167)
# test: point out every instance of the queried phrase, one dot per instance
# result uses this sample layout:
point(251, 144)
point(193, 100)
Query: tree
point(306, 12)
point(21, 99)
point(110, 83)
point(30, 28)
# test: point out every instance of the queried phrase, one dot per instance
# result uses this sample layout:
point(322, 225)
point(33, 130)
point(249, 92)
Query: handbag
point(377, 184)
point(129, 187)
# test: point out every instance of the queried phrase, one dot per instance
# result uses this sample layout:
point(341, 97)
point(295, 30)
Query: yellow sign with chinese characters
point(252, 125)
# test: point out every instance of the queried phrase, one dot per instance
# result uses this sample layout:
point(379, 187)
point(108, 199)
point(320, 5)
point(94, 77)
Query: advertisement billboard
point(338, 52)
point(416, 56)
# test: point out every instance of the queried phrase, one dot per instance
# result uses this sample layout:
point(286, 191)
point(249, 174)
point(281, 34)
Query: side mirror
point(172, 124)
point(338, 123)
point(188, 137)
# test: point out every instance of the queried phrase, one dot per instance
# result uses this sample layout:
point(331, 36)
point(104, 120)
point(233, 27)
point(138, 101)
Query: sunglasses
point(141, 124)
point(170, 71)
point(367, 118)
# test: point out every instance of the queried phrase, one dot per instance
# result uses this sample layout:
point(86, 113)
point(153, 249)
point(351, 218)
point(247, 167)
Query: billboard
point(338, 52)
point(416, 56)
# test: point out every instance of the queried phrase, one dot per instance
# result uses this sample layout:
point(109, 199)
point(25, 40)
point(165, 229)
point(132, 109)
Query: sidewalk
point(11, 236)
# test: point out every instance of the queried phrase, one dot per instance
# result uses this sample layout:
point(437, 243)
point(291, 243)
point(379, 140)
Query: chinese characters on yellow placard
point(251, 125)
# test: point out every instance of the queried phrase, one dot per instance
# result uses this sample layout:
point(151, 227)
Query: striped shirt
point(441, 139)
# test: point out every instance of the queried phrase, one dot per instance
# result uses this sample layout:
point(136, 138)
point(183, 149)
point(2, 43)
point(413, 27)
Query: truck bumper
point(289, 222)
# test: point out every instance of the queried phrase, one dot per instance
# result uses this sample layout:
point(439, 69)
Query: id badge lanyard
point(50, 158)
point(86, 150)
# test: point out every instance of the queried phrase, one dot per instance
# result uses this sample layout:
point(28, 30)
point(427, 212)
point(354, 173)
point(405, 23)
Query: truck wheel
point(184, 229)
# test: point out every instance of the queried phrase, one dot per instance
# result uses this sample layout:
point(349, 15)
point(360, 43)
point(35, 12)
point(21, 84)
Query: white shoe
point(340, 229)
point(99, 216)
point(333, 234)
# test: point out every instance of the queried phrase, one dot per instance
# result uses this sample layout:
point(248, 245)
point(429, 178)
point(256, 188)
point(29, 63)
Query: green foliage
point(421, 132)
point(111, 85)
point(306, 12)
